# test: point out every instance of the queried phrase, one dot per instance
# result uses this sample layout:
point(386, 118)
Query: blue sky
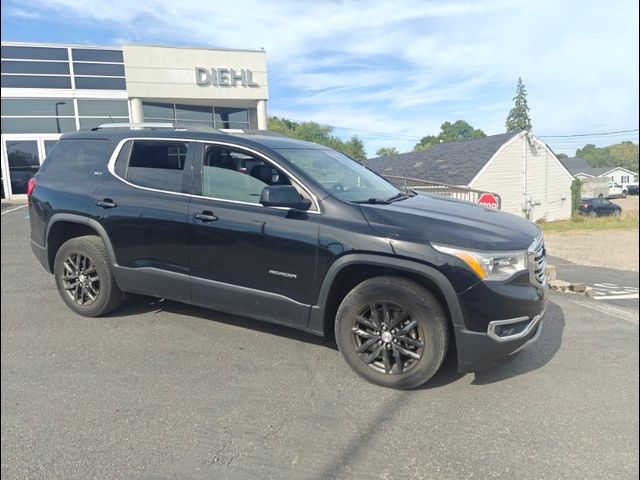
point(393, 71)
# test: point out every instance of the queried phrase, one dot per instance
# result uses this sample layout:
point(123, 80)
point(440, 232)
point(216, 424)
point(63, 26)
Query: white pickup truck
point(616, 190)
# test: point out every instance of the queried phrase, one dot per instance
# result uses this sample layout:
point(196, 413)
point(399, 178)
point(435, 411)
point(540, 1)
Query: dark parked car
point(292, 233)
point(597, 207)
point(632, 189)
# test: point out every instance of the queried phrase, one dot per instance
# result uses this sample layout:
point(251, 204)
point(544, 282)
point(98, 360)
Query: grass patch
point(628, 221)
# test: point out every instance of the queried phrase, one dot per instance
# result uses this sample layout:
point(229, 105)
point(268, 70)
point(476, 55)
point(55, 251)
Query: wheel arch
point(65, 226)
point(352, 269)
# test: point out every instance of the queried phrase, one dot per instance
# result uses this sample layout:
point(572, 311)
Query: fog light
point(511, 329)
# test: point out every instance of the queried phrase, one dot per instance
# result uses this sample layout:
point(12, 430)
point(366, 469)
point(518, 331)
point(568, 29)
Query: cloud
point(405, 67)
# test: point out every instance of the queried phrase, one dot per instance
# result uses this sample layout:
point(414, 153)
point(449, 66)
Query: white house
point(579, 168)
point(519, 167)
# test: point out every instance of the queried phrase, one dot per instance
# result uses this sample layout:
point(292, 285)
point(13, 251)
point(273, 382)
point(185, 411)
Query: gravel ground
point(628, 204)
point(617, 249)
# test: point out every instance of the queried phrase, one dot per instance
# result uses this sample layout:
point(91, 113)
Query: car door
point(144, 204)
point(249, 259)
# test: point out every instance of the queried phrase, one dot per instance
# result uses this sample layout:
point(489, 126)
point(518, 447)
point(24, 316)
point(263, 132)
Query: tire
point(617, 213)
point(407, 303)
point(593, 214)
point(82, 270)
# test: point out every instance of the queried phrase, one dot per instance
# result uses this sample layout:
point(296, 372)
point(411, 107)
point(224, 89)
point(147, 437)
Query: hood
point(430, 218)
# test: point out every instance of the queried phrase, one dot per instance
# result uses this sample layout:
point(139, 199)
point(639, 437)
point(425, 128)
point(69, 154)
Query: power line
point(588, 134)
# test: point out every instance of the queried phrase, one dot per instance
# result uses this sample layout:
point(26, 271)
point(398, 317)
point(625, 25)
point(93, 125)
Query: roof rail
point(134, 126)
point(156, 126)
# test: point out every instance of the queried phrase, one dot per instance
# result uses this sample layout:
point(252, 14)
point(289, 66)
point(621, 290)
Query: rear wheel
point(392, 332)
point(84, 277)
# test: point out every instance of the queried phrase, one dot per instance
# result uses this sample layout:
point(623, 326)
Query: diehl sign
point(224, 77)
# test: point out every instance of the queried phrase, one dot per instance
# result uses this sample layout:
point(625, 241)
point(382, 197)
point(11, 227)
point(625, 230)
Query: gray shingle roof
point(454, 163)
point(577, 165)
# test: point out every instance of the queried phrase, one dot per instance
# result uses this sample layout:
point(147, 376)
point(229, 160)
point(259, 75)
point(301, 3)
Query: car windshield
point(341, 176)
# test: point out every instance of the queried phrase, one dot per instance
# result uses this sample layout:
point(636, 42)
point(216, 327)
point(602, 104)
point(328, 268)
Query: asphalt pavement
point(615, 287)
point(160, 390)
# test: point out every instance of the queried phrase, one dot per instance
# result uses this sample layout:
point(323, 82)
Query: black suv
point(288, 232)
point(598, 207)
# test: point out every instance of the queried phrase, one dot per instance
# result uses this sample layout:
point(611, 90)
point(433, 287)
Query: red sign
point(488, 200)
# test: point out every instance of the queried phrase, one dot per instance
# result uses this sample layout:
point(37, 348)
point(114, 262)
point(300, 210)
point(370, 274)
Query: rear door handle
point(106, 203)
point(205, 216)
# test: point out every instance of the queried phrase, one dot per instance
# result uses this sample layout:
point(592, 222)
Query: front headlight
point(490, 266)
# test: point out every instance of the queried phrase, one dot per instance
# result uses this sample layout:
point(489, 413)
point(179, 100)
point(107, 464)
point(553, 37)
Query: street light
point(58, 115)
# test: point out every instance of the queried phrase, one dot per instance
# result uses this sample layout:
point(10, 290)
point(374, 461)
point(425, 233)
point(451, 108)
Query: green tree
point(321, 134)
point(518, 118)
point(387, 152)
point(623, 154)
point(450, 132)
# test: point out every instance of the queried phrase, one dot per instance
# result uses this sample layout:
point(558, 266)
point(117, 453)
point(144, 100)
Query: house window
point(625, 179)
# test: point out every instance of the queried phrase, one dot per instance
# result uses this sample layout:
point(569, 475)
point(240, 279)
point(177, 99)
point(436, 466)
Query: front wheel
point(84, 277)
point(392, 332)
point(593, 214)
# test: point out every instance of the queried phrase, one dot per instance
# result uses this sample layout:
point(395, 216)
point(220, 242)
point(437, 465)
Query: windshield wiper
point(374, 201)
point(398, 196)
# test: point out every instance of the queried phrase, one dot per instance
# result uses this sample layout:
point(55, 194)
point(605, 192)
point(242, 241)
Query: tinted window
point(74, 156)
point(38, 125)
point(35, 67)
point(96, 55)
point(35, 53)
point(234, 175)
point(98, 69)
point(98, 83)
point(103, 108)
point(87, 123)
point(158, 111)
point(23, 163)
point(45, 107)
point(24, 81)
point(194, 113)
point(157, 164)
point(231, 117)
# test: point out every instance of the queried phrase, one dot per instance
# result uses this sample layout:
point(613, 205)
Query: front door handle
point(205, 216)
point(106, 203)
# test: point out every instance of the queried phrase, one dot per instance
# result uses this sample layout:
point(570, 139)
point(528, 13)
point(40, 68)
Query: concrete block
point(551, 272)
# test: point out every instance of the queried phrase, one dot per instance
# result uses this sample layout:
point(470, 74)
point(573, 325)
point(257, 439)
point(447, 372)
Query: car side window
point(157, 164)
point(232, 174)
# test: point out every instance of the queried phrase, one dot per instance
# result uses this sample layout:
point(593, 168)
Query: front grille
point(538, 262)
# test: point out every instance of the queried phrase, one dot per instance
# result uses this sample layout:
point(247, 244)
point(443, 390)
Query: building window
point(624, 179)
point(24, 81)
point(97, 55)
point(94, 113)
point(217, 117)
point(22, 66)
point(34, 53)
point(38, 116)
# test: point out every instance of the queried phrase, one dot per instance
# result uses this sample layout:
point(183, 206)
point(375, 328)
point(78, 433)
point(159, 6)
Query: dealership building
point(48, 90)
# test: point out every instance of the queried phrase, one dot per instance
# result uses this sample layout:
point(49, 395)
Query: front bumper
point(478, 351)
point(499, 320)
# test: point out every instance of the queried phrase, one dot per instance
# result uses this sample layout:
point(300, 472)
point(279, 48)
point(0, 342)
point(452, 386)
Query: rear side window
point(75, 157)
point(153, 164)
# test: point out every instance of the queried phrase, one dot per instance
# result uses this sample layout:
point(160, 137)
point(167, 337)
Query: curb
point(566, 287)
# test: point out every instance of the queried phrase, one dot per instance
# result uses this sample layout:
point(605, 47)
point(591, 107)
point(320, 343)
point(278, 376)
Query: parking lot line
point(13, 209)
point(626, 296)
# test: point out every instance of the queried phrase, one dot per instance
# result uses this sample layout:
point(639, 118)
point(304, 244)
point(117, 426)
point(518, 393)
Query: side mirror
point(284, 196)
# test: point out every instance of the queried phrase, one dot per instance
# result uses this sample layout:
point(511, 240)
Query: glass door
point(22, 156)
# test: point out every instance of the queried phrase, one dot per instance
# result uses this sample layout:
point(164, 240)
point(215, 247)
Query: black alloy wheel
point(81, 280)
point(387, 339)
point(84, 276)
point(392, 332)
